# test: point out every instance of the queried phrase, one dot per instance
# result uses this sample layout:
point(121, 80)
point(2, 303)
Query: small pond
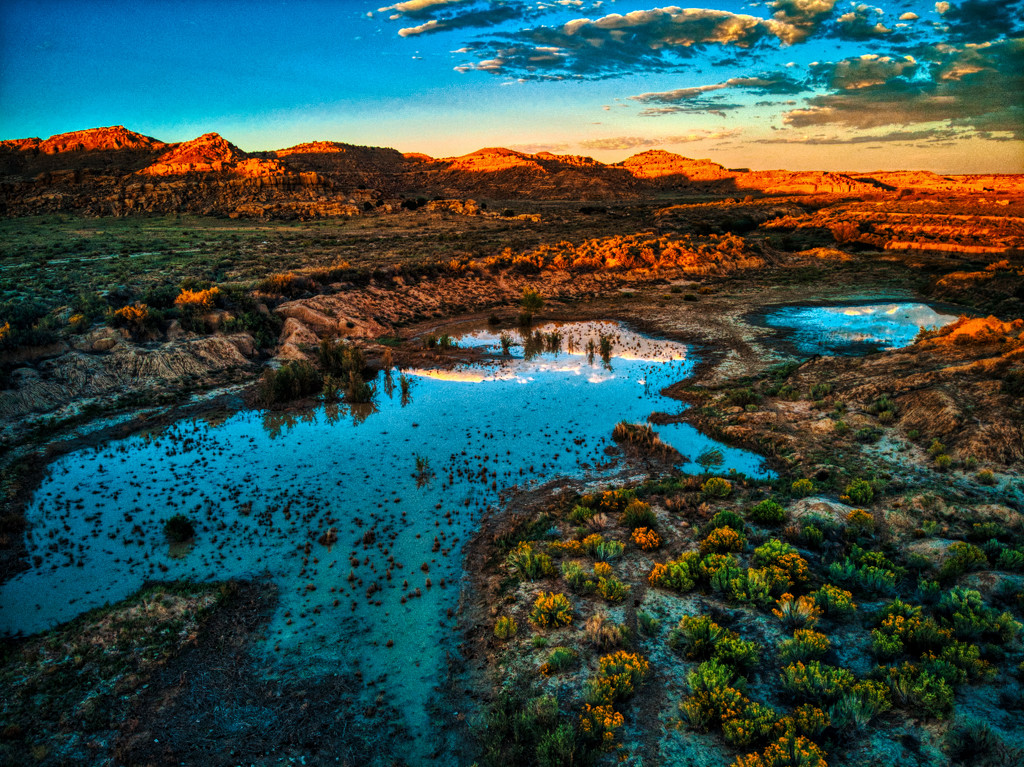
point(363, 544)
point(852, 329)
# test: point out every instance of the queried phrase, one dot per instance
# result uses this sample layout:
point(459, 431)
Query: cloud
point(474, 19)
point(976, 86)
point(909, 16)
point(647, 40)
point(417, 7)
point(980, 20)
point(636, 142)
point(890, 137)
point(541, 147)
point(862, 23)
point(805, 16)
point(776, 83)
point(863, 71)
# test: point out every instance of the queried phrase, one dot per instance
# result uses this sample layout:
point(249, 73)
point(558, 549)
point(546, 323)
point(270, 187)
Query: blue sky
point(784, 83)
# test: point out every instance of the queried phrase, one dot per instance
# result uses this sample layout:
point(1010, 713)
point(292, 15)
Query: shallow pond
point(364, 548)
point(853, 329)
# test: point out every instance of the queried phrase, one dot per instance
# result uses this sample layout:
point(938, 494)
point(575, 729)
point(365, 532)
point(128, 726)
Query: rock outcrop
point(115, 171)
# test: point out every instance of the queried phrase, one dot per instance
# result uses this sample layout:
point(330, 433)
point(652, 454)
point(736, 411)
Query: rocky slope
point(114, 171)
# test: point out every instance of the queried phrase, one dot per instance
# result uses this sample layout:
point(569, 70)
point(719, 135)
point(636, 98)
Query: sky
point(798, 84)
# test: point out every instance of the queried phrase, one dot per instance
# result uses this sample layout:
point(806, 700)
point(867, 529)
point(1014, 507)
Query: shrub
point(135, 317)
point(966, 613)
point(741, 654)
point(528, 564)
point(602, 569)
point(679, 575)
point(179, 529)
point(581, 514)
point(648, 624)
point(560, 659)
point(696, 636)
point(505, 627)
point(551, 609)
point(722, 540)
point(645, 538)
point(960, 558)
point(618, 676)
point(943, 462)
point(767, 512)
point(802, 488)
point(558, 747)
point(725, 519)
point(290, 381)
point(710, 458)
point(816, 682)
point(786, 566)
point(806, 720)
point(604, 633)
point(755, 587)
point(716, 487)
point(804, 646)
point(753, 723)
point(639, 514)
point(920, 691)
point(986, 477)
point(577, 578)
point(836, 603)
point(787, 751)
point(796, 613)
point(599, 723)
point(860, 523)
point(601, 549)
point(860, 491)
point(612, 589)
point(195, 302)
point(862, 703)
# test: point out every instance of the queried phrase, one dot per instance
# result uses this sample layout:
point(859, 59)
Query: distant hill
point(115, 171)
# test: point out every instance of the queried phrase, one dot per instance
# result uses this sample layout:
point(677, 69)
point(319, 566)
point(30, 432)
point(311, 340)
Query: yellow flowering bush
point(722, 540)
point(505, 627)
point(618, 676)
point(787, 751)
point(679, 575)
point(602, 569)
point(806, 644)
point(570, 548)
point(600, 723)
point(551, 610)
point(196, 301)
point(645, 538)
point(797, 612)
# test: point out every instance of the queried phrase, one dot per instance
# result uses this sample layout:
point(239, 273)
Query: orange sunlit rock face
point(97, 171)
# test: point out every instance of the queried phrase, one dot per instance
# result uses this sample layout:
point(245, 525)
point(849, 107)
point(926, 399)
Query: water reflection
point(854, 329)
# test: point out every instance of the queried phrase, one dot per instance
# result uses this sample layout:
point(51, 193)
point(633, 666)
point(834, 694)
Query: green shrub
point(696, 637)
point(797, 612)
point(805, 645)
point(966, 613)
point(725, 519)
point(639, 514)
point(647, 623)
point(753, 723)
point(612, 589)
point(920, 691)
point(835, 603)
point(617, 678)
point(581, 515)
point(943, 462)
point(179, 529)
point(986, 477)
point(681, 574)
point(756, 586)
point(558, 747)
point(1011, 559)
point(291, 381)
point(860, 491)
point(559, 659)
point(716, 487)
point(802, 488)
point(579, 580)
point(528, 564)
point(816, 682)
point(601, 549)
point(743, 655)
point(960, 558)
point(505, 627)
point(856, 708)
point(936, 448)
point(767, 512)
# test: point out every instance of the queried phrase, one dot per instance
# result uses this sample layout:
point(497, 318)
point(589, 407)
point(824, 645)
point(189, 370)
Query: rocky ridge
point(115, 171)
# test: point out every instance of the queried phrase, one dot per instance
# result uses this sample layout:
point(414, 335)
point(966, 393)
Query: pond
point(357, 513)
point(852, 329)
